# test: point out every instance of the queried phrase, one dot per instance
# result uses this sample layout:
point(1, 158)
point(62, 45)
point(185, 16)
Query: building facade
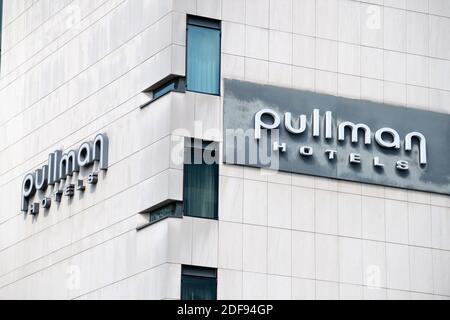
point(135, 87)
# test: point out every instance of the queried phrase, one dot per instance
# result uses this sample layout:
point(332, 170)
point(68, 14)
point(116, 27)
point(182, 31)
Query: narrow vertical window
point(203, 55)
point(198, 283)
point(201, 180)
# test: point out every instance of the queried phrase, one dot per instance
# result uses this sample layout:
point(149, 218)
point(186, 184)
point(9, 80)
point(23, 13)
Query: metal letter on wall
point(59, 169)
point(354, 140)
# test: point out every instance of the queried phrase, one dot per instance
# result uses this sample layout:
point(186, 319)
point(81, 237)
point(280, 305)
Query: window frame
point(197, 272)
point(207, 23)
point(177, 212)
point(169, 86)
point(176, 208)
point(193, 145)
point(179, 86)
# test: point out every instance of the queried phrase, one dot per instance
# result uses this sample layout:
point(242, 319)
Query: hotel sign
point(323, 135)
point(59, 172)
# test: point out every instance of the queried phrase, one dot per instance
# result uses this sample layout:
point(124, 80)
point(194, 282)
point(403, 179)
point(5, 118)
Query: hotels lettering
point(385, 137)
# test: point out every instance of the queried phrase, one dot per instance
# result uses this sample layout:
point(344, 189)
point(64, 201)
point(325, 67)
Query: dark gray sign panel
point(323, 135)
